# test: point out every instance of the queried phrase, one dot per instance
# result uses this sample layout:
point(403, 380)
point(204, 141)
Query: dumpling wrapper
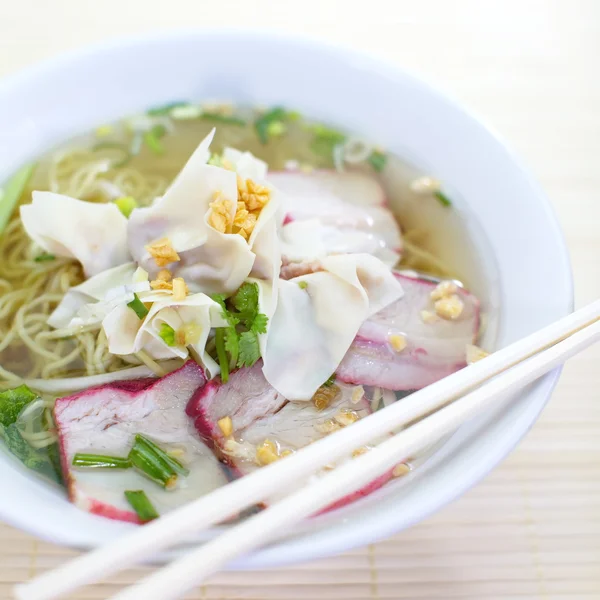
point(128, 334)
point(211, 261)
point(245, 164)
point(94, 234)
point(313, 327)
point(93, 292)
point(312, 240)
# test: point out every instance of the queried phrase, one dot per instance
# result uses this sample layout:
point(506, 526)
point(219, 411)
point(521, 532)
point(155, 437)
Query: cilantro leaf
point(12, 402)
point(259, 325)
point(249, 349)
point(245, 300)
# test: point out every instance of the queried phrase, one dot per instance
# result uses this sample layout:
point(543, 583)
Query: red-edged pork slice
point(105, 419)
point(435, 347)
point(246, 397)
point(327, 212)
point(261, 416)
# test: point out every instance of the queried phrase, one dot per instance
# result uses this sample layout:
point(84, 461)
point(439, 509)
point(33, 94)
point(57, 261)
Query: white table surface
point(530, 68)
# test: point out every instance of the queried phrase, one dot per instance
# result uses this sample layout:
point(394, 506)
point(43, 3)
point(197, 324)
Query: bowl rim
point(323, 542)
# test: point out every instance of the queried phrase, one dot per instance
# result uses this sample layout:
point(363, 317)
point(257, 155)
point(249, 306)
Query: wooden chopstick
point(176, 579)
point(180, 525)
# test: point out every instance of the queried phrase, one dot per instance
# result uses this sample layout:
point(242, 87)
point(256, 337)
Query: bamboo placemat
point(531, 530)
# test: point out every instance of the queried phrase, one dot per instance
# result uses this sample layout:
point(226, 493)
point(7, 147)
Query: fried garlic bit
point(475, 353)
point(397, 342)
point(252, 198)
point(164, 281)
point(162, 252)
point(220, 217)
point(267, 453)
point(447, 303)
point(226, 426)
point(325, 395)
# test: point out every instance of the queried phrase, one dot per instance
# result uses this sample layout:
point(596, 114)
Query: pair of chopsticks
point(434, 411)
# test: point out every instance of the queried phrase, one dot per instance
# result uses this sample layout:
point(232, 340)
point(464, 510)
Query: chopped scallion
point(100, 461)
point(444, 200)
point(12, 192)
point(225, 119)
point(44, 257)
point(126, 204)
point(276, 129)
point(325, 140)
point(266, 120)
point(222, 354)
point(167, 334)
point(165, 109)
point(138, 307)
point(302, 285)
point(152, 139)
point(169, 460)
point(330, 381)
point(377, 160)
point(141, 504)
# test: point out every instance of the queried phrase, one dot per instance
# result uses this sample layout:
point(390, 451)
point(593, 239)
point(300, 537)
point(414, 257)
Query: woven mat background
point(531, 530)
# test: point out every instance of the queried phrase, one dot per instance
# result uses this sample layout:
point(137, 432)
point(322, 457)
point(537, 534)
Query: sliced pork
point(327, 212)
point(105, 419)
point(408, 345)
point(249, 424)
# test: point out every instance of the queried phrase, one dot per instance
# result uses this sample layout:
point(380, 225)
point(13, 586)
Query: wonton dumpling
point(91, 292)
point(245, 164)
point(210, 261)
point(95, 234)
point(128, 334)
point(313, 326)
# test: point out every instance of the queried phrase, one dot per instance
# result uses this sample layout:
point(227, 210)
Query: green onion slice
point(377, 160)
point(152, 139)
point(100, 461)
point(167, 334)
point(219, 118)
point(444, 200)
point(165, 109)
point(141, 505)
point(126, 204)
point(44, 257)
point(138, 307)
point(10, 195)
point(168, 459)
point(263, 123)
point(222, 354)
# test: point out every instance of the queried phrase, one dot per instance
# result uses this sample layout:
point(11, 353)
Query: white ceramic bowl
point(49, 103)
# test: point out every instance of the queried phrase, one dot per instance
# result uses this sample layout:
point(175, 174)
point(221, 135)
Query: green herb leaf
point(100, 461)
point(377, 160)
point(263, 122)
point(12, 402)
point(325, 140)
point(444, 200)
point(123, 156)
point(167, 334)
point(12, 192)
point(245, 300)
point(249, 349)
point(152, 139)
point(138, 307)
point(259, 325)
point(165, 109)
point(126, 204)
point(141, 504)
point(42, 461)
point(226, 119)
point(44, 257)
point(222, 354)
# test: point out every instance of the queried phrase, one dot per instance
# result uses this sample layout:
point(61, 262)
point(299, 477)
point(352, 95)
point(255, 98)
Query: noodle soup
point(225, 272)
